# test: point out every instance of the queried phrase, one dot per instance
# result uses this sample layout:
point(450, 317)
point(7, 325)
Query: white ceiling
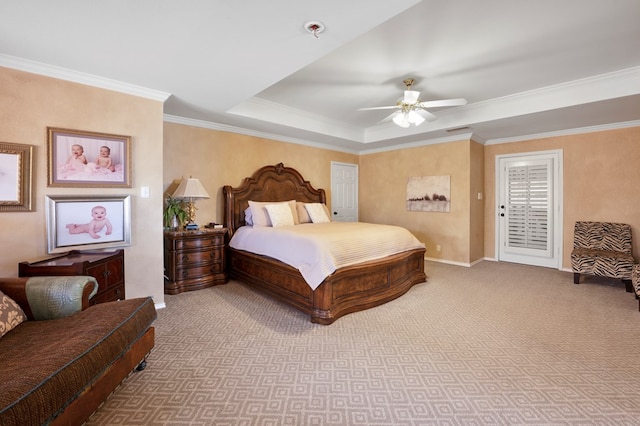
point(525, 67)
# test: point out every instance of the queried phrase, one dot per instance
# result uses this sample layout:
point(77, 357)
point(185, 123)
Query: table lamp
point(190, 189)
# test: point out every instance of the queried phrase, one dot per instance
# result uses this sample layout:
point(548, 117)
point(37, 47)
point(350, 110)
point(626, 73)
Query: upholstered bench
point(602, 249)
point(62, 362)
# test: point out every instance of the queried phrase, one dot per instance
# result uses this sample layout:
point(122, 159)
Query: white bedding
point(318, 249)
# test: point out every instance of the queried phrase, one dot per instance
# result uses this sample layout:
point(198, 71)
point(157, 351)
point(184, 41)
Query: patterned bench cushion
point(45, 365)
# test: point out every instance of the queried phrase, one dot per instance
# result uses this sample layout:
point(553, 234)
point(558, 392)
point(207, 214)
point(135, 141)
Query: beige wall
point(220, 158)
point(601, 178)
point(30, 103)
point(601, 175)
point(383, 184)
point(476, 203)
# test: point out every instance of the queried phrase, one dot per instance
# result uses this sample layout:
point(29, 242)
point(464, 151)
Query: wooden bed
point(349, 289)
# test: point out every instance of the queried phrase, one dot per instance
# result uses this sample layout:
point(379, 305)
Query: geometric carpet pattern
point(497, 343)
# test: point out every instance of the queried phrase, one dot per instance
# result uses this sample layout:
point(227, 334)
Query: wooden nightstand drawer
point(198, 257)
point(111, 294)
point(199, 271)
point(199, 243)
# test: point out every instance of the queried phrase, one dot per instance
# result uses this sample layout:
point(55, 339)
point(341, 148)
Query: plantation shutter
point(528, 207)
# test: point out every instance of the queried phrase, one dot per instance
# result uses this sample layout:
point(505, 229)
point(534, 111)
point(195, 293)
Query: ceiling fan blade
point(443, 103)
point(426, 115)
point(374, 108)
point(388, 117)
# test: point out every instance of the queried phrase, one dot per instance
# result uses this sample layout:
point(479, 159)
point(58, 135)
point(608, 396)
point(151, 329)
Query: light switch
point(144, 191)
point(479, 195)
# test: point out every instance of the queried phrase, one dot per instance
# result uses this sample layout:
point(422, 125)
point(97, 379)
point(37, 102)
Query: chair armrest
point(50, 297)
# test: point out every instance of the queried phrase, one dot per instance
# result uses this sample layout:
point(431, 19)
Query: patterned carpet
point(494, 344)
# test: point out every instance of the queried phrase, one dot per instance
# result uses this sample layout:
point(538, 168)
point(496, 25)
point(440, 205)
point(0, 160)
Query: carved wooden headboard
point(269, 183)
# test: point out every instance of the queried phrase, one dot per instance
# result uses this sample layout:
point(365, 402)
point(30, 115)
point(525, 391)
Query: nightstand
point(194, 259)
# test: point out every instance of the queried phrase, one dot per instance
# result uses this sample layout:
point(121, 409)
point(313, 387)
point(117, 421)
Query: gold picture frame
point(16, 177)
point(76, 159)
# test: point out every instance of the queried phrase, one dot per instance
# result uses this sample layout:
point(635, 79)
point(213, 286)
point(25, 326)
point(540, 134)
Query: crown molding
point(81, 78)
point(265, 110)
point(567, 132)
point(249, 132)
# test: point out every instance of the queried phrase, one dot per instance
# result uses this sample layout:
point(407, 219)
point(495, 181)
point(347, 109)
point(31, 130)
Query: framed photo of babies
point(88, 159)
point(86, 223)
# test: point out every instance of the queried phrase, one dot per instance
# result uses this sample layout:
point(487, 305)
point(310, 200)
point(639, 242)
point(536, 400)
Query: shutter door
point(528, 207)
point(528, 210)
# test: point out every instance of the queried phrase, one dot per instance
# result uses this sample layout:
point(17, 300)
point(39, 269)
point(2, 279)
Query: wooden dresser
point(194, 259)
point(106, 267)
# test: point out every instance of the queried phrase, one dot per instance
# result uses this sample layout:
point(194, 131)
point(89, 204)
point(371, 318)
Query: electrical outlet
point(438, 247)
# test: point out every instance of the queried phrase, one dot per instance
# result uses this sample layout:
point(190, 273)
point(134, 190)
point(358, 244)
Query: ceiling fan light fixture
point(415, 117)
point(401, 119)
point(410, 110)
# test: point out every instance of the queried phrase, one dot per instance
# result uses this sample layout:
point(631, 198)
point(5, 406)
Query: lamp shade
point(190, 188)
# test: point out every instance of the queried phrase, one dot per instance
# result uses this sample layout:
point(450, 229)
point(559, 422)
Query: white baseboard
point(160, 305)
point(466, 265)
point(448, 262)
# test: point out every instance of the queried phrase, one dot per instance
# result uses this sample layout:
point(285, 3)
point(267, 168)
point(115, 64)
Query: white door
point(529, 220)
point(344, 192)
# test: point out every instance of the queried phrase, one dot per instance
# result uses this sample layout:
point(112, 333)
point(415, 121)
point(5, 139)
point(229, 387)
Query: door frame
point(558, 199)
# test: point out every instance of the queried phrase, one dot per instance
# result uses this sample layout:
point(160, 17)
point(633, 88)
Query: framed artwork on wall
point(15, 177)
point(87, 223)
point(88, 159)
point(429, 194)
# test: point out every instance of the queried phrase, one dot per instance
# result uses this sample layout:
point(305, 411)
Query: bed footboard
point(350, 289)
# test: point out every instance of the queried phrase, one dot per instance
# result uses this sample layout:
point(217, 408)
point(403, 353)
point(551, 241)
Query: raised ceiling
point(525, 67)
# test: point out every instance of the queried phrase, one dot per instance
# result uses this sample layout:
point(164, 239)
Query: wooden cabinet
point(194, 259)
point(106, 267)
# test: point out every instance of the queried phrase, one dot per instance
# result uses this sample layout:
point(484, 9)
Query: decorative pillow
point(260, 216)
point(303, 215)
point(279, 214)
point(248, 218)
point(10, 314)
point(317, 213)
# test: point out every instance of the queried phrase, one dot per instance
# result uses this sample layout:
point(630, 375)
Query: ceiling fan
point(410, 110)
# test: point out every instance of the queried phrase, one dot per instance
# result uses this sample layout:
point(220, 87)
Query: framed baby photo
point(87, 223)
point(88, 159)
point(15, 177)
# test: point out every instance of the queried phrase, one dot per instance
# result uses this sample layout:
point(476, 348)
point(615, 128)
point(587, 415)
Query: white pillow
point(248, 217)
point(260, 216)
point(303, 215)
point(317, 212)
point(279, 214)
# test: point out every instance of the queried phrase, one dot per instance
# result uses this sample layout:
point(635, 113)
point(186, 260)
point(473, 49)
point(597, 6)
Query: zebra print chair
point(602, 249)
